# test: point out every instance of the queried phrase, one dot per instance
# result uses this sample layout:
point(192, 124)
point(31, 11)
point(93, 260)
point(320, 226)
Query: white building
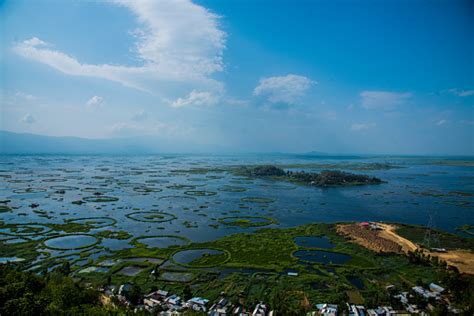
point(327, 309)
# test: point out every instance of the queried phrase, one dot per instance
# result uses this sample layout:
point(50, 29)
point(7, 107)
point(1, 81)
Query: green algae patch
point(255, 199)
point(29, 190)
point(201, 257)
point(94, 222)
point(200, 193)
point(31, 229)
point(147, 189)
point(181, 187)
point(231, 188)
point(100, 199)
point(247, 221)
point(119, 234)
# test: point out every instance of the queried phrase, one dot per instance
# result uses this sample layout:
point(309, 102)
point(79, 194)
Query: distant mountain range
point(15, 143)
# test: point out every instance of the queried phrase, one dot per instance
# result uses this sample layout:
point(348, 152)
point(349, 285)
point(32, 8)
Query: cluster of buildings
point(371, 225)
point(161, 300)
point(357, 310)
point(163, 303)
point(224, 307)
point(433, 295)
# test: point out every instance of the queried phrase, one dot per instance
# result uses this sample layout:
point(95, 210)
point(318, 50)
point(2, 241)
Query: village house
point(154, 299)
point(356, 310)
point(220, 308)
point(198, 304)
point(173, 303)
point(327, 309)
point(260, 310)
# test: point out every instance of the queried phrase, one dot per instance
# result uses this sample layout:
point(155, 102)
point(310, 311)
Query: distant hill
point(24, 143)
point(317, 153)
point(15, 143)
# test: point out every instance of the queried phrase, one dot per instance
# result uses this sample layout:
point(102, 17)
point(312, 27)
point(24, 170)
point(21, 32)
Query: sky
point(374, 77)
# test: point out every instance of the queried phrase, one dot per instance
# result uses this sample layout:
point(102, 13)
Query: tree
point(187, 293)
point(135, 294)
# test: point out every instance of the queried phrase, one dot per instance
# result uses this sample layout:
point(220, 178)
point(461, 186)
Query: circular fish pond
point(25, 229)
point(71, 242)
point(230, 188)
point(153, 217)
point(162, 241)
point(20, 180)
point(200, 258)
point(100, 199)
point(98, 190)
point(324, 257)
point(200, 193)
point(144, 189)
point(29, 190)
point(177, 198)
point(96, 222)
point(254, 199)
point(247, 221)
point(64, 187)
point(181, 187)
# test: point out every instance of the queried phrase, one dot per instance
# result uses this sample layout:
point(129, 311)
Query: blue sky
point(394, 77)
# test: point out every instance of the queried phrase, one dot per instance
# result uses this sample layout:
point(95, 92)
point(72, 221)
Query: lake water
point(154, 195)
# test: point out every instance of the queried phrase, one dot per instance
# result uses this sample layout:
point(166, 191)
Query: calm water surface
point(412, 194)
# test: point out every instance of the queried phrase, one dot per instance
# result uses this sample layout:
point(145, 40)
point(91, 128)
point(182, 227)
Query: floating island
point(325, 178)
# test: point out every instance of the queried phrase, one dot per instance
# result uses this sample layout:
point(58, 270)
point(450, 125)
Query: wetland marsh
point(195, 220)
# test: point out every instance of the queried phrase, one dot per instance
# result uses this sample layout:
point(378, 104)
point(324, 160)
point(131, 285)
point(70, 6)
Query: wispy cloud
point(283, 89)
point(196, 98)
point(362, 126)
point(383, 99)
point(461, 93)
point(24, 96)
point(95, 102)
point(177, 42)
point(28, 119)
point(441, 122)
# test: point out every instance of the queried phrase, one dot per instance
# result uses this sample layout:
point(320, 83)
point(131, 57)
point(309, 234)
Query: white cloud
point(28, 119)
point(362, 126)
point(95, 102)
point(461, 93)
point(467, 122)
point(383, 99)
point(196, 98)
point(25, 96)
point(441, 122)
point(283, 89)
point(177, 42)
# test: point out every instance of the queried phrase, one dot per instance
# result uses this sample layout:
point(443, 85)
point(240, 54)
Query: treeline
point(25, 293)
point(324, 178)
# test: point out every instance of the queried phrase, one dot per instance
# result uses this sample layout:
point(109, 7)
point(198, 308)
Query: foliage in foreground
point(25, 293)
